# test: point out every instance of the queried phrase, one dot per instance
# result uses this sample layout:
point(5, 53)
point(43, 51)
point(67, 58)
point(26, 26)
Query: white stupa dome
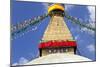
point(58, 58)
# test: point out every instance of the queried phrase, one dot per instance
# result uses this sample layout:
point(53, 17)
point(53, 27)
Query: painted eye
point(49, 51)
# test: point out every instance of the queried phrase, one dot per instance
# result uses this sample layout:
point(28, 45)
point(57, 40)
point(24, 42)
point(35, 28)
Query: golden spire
point(56, 6)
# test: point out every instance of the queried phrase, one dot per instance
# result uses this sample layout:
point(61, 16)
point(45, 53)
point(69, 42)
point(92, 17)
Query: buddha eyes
point(62, 50)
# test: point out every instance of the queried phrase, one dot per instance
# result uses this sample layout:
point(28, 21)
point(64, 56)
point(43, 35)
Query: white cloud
point(76, 37)
point(91, 19)
point(91, 10)
point(91, 47)
point(14, 64)
point(45, 6)
point(22, 60)
point(68, 7)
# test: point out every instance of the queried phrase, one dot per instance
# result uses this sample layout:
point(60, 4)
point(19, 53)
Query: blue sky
point(25, 48)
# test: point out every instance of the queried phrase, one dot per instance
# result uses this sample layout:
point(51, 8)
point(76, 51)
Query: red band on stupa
point(57, 44)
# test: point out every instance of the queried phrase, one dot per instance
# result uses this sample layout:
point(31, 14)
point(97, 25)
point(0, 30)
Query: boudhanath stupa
point(57, 44)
